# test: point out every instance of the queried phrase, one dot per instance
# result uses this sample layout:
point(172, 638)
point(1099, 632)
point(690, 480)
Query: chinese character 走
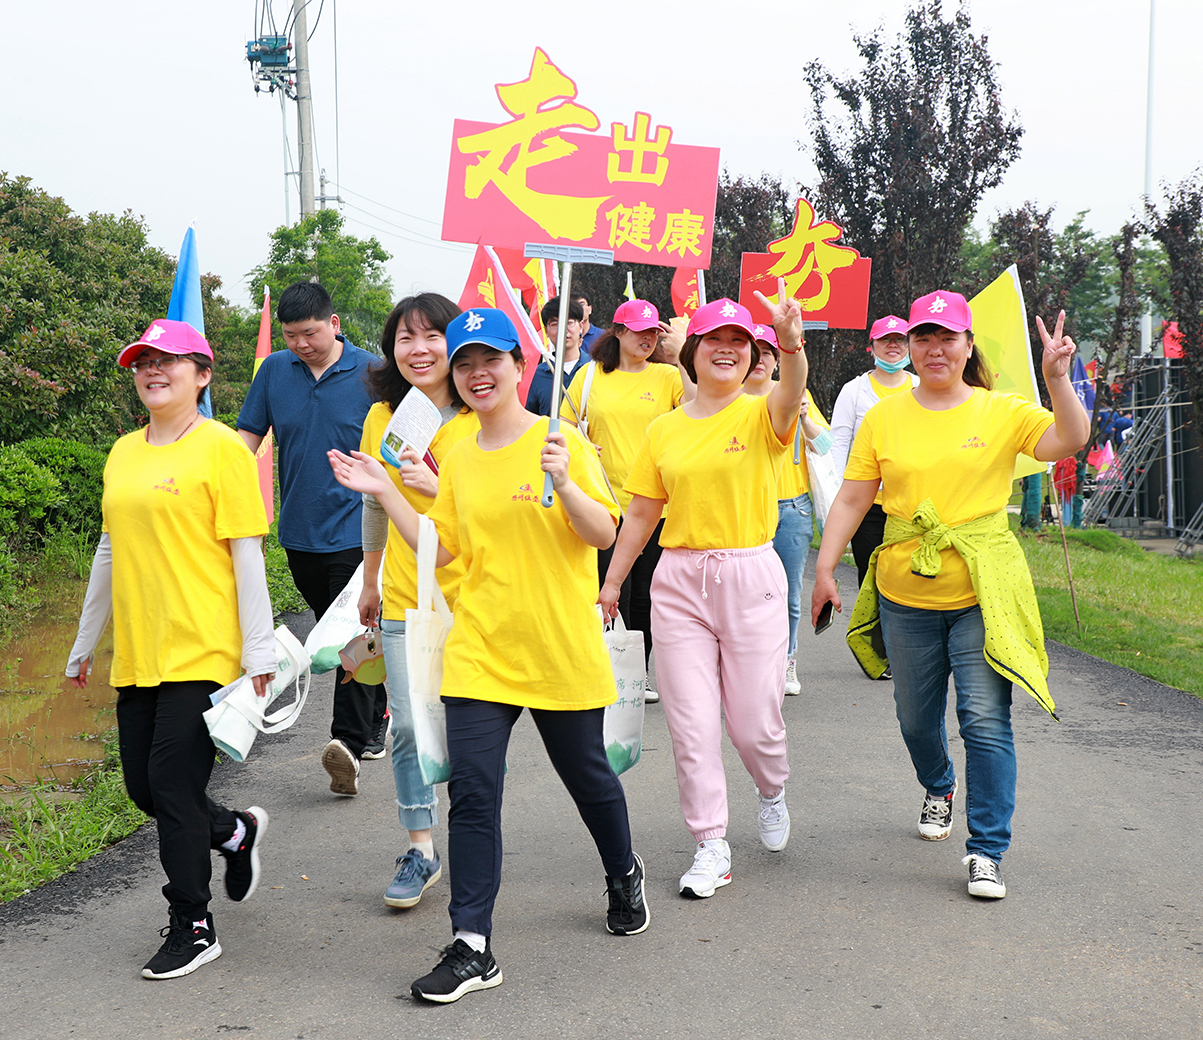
point(638, 144)
point(631, 224)
point(529, 102)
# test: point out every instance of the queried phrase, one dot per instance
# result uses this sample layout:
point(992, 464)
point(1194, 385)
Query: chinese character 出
point(638, 144)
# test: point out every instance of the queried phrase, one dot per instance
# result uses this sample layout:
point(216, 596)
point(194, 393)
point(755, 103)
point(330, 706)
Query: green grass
point(45, 831)
point(1139, 609)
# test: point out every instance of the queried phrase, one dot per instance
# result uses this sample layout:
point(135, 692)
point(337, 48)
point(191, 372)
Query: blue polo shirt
point(309, 417)
point(592, 336)
point(538, 396)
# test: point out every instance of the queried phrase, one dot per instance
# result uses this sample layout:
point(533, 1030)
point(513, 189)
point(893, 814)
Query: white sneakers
point(711, 869)
point(650, 696)
point(773, 822)
point(792, 686)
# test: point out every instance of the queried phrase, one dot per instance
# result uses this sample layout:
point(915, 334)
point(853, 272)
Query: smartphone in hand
point(826, 616)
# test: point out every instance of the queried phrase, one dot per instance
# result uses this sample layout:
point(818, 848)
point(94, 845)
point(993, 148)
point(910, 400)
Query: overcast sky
point(149, 105)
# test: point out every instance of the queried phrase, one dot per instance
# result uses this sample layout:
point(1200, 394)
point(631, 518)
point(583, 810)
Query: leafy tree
point(907, 146)
point(351, 269)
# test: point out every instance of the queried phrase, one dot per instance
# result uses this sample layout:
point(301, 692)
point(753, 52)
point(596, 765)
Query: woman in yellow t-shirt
point(719, 594)
point(526, 634)
point(629, 383)
point(180, 566)
point(795, 513)
point(414, 348)
point(950, 580)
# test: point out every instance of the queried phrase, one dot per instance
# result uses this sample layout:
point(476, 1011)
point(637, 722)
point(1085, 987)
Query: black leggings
point(167, 756)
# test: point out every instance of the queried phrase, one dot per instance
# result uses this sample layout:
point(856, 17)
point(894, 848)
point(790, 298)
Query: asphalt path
point(857, 930)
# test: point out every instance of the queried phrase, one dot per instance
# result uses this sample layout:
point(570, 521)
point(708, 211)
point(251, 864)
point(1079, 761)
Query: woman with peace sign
point(948, 591)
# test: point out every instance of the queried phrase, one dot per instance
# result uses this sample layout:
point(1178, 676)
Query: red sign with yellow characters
point(830, 281)
point(529, 179)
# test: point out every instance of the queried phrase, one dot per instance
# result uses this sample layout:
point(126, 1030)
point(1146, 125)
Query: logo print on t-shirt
point(525, 494)
point(168, 485)
point(647, 396)
point(974, 442)
point(734, 445)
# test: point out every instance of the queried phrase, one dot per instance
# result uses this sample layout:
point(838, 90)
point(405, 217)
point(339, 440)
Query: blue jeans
point(924, 648)
point(417, 803)
point(795, 528)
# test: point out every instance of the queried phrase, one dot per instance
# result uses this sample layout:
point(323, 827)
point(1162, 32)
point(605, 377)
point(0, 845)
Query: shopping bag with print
point(825, 481)
point(426, 628)
point(337, 626)
point(623, 727)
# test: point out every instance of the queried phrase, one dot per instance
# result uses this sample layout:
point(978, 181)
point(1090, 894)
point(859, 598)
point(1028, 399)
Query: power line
point(412, 216)
point(400, 227)
point(451, 247)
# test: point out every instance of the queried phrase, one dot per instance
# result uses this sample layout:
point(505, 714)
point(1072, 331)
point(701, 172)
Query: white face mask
point(892, 366)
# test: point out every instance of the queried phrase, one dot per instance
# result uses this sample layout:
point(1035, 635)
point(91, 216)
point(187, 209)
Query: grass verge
point(1139, 609)
point(45, 831)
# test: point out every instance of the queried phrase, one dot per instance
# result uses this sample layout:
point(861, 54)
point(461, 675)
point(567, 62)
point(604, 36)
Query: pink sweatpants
point(720, 626)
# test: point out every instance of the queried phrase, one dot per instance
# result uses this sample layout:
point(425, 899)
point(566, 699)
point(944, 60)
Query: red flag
point(685, 291)
point(489, 286)
point(1171, 339)
point(263, 457)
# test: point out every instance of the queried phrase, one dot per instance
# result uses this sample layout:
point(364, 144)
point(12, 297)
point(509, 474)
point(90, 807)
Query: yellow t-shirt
point(795, 480)
point(882, 393)
point(170, 511)
point(526, 629)
point(620, 407)
point(400, 563)
point(963, 459)
point(719, 475)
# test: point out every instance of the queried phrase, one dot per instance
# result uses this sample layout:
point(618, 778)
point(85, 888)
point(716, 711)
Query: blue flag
point(185, 302)
point(1082, 383)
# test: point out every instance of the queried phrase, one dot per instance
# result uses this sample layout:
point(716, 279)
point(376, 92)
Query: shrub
point(28, 492)
point(80, 469)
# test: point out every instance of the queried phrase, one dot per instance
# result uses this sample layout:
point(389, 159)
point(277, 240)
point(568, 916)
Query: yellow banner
point(1000, 332)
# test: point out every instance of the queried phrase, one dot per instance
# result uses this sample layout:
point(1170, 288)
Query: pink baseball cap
point(767, 334)
point(637, 315)
point(949, 310)
point(171, 337)
point(890, 325)
point(719, 313)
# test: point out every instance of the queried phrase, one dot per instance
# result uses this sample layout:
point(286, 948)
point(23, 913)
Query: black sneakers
point(375, 747)
point(242, 865)
point(461, 971)
point(935, 818)
point(186, 949)
point(628, 913)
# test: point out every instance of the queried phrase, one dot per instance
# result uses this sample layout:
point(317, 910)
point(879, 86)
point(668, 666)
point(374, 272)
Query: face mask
point(892, 366)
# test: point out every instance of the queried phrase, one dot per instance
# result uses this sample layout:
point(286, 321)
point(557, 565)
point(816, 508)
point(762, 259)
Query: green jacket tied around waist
point(1001, 581)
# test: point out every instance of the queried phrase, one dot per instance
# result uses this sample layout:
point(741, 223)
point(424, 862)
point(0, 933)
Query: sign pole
point(567, 255)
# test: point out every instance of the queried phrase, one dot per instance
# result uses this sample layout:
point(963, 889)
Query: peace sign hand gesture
point(787, 318)
point(1058, 349)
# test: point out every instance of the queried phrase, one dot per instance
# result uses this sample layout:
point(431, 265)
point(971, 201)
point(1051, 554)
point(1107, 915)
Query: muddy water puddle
point(45, 722)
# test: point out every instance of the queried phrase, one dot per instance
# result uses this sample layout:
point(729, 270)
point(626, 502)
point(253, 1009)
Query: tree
point(1178, 227)
point(351, 269)
point(906, 148)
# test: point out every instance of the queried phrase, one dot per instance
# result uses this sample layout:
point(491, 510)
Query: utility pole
point(304, 108)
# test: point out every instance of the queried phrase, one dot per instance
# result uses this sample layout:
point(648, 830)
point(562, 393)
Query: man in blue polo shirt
point(314, 396)
point(538, 396)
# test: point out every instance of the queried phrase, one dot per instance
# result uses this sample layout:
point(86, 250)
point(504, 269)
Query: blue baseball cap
point(485, 325)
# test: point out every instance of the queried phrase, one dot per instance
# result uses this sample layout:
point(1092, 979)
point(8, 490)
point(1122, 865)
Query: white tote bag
point(338, 626)
point(238, 714)
point(623, 727)
point(825, 481)
point(426, 628)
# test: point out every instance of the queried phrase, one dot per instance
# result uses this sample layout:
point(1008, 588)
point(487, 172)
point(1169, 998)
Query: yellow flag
point(630, 293)
point(1000, 332)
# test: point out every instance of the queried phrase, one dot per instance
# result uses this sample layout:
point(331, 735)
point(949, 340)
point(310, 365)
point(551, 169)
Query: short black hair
point(551, 310)
point(302, 301)
point(578, 295)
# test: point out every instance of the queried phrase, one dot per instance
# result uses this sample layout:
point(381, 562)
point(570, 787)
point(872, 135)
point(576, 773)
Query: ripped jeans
point(417, 803)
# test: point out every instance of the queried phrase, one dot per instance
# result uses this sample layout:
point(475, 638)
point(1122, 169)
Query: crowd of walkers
point(681, 501)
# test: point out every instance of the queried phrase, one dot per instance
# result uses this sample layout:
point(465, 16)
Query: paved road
point(858, 930)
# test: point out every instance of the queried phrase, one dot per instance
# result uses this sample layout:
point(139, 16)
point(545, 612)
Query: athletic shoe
point(985, 877)
point(374, 748)
point(792, 686)
point(460, 971)
point(711, 869)
point(935, 818)
point(628, 913)
point(773, 822)
point(343, 768)
point(415, 874)
point(242, 865)
point(650, 696)
point(186, 949)
point(886, 676)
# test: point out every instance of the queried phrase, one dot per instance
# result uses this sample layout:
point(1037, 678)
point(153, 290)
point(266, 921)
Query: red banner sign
point(830, 281)
point(528, 180)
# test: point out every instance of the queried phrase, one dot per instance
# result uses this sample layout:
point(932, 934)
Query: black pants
point(167, 756)
point(358, 709)
point(635, 597)
point(870, 534)
point(478, 733)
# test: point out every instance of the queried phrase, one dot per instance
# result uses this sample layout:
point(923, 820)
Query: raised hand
point(359, 472)
point(787, 318)
point(1058, 349)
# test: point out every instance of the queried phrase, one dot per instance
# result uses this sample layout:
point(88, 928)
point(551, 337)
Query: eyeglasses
point(572, 323)
point(162, 364)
